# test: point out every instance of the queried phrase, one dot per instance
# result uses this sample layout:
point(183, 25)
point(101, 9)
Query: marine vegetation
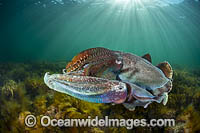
point(101, 75)
point(23, 92)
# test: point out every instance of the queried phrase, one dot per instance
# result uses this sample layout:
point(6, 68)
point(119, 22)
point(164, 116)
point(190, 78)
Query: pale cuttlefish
point(100, 75)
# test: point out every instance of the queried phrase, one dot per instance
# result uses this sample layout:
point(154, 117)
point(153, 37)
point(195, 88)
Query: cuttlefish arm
point(142, 94)
point(91, 89)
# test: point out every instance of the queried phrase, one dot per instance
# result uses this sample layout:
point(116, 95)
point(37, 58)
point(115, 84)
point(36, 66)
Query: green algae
point(23, 92)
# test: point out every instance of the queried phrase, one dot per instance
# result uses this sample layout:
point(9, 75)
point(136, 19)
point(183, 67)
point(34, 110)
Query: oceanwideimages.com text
point(46, 121)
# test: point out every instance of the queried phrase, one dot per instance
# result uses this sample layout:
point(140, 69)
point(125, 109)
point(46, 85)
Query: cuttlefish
point(102, 75)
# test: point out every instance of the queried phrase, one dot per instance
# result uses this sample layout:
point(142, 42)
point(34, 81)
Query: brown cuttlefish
point(101, 75)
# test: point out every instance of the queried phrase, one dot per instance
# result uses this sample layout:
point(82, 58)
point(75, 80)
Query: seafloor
point(22, 92)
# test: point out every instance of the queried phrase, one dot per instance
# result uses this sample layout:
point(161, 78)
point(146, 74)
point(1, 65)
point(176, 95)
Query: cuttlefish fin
point(147, 57)
point(166, 68)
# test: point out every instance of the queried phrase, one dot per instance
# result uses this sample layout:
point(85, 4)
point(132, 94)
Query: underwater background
point(42, 36)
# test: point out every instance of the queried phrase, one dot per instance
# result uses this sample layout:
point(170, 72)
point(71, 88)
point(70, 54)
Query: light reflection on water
point(148, 3)
point(59, 29)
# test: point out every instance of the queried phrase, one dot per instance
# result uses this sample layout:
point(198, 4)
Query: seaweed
point(23, 92)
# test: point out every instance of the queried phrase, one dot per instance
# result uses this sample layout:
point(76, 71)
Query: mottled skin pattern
point(94, 62)
point(101, 75)
point(138, 70)
point(88, 88)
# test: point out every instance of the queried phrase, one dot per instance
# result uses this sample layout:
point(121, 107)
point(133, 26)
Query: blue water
point(45, 30)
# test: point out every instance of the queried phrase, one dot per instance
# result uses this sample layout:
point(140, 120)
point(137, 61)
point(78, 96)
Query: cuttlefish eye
point(85, 66)
point(119, 88)
point(118, 94)
point(64, 71)
point(118, 61)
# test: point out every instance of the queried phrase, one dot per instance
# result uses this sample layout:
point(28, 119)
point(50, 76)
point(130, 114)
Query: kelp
point(23, 92)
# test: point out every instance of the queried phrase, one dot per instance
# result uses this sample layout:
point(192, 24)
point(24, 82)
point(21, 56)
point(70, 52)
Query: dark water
point(32, 30)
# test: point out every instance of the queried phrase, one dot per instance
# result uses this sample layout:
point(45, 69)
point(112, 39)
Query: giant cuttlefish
point(101, 75)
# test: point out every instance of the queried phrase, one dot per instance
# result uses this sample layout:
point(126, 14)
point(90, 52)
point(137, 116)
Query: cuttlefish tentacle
point(141, 94)
point(140, 97)
point(91, 89)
